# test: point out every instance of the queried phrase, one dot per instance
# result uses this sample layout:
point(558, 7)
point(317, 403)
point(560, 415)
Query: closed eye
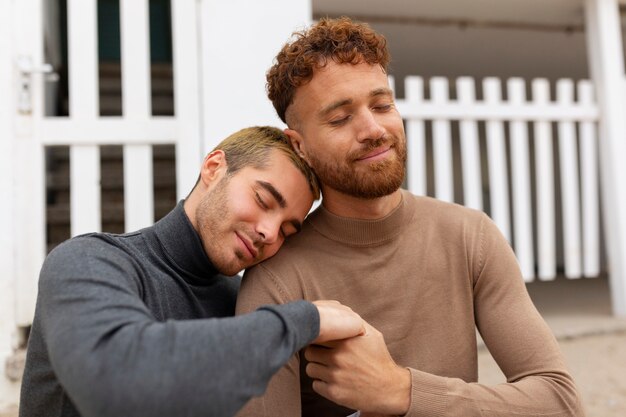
point(260, 201)
point(383, 107)
point(338, 122)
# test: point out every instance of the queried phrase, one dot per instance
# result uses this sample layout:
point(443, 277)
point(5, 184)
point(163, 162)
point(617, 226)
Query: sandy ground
point(598, 365)
point(593, 343)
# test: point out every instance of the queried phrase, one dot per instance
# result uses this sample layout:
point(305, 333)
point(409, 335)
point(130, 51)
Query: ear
point(213, 168)
point(297, 143)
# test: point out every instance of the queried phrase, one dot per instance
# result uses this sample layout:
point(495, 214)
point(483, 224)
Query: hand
point(359, 373)
point(337, 321)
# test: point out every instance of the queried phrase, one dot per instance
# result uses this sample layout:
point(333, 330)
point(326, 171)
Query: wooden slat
point(138, 187)
point(496, 151)
point(589, 187)
point(442, 144)
point(110, 131)
point(570, 194)
point(470, 149)
point(503, 111)
point(83, 58)
point(520, 173)
point(416, 139)
point(138, 182)
point(135, 45)
point(189, 152)
point(85, 189)
point(544, 172)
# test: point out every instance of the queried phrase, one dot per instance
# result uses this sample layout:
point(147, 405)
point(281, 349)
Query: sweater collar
point(359, 232)
point(182, 243)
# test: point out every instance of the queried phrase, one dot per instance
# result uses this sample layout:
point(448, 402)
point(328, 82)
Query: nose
point(268, 229)
point(369, 127)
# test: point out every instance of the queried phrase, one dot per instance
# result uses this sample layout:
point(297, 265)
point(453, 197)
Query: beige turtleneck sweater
point(427, 276)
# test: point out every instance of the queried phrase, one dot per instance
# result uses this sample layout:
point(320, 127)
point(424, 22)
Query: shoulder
point(449, 217)
point(83, 250)
point(94, 257)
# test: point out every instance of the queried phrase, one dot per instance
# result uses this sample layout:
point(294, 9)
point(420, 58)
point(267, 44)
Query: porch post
point(606, 63)
point(239, 40)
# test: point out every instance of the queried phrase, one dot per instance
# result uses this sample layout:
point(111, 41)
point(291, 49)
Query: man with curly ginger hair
point(424, 273)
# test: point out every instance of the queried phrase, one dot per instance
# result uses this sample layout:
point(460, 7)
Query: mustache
point(370, 146)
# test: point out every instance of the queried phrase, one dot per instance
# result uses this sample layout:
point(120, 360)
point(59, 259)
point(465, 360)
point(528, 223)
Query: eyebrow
point(274, 192)
point(280, 199)
point(383, 91)
point(333, 106)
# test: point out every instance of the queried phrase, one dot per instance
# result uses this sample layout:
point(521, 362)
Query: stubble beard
point(212, 215)
point(379, 179)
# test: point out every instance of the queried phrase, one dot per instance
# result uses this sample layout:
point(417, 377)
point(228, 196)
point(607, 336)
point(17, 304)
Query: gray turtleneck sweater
point(140, 325)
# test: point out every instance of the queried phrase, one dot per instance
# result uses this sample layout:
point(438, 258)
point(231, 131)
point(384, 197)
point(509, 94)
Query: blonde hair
point(252, 147)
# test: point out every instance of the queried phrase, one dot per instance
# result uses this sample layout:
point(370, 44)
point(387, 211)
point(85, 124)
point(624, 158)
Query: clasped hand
point(359, 373)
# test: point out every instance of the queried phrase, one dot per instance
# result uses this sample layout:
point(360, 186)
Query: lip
point(376, 154)
point(252, 251)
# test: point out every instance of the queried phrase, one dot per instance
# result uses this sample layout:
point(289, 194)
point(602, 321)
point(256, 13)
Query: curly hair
point(342, 40)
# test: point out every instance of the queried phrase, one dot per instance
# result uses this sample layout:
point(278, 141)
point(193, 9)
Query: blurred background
point(513, 107)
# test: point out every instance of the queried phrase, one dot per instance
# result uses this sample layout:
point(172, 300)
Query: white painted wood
point(138, 179)
point(9, 392)
point(83, 58)
point(589, 187)
point(268, 25)
point(520, 179)
point(503, 112)
point(138, 187)
point(28, 200)
point(544, 173)
point(497, 161)
point(7, 156)
point(602, 20)
point(570, 194)
point(135, 49)
point(470, 149)
point(110, 131)
point(186, 98)
point(442, 144)
point(85, 195)
point(416, 139)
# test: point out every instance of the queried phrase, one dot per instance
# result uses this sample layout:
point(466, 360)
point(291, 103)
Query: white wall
point(239, 41)
point(483, 52)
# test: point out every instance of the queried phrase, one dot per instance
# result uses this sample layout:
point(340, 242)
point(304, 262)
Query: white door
point(27, 131)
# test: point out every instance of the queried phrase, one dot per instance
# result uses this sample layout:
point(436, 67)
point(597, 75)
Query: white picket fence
point(512, 128)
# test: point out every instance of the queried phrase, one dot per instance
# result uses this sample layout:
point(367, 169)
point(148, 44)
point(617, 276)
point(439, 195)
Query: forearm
point(546, 394)
point(208, 367)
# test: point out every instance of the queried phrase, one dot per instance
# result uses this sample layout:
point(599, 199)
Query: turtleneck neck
point(359, 232)
point(182, 244)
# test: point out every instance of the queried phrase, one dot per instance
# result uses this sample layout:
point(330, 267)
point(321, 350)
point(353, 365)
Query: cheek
point(272, 249)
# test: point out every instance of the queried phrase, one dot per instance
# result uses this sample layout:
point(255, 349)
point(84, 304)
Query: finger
point(317, 354)
point(317, 371)
point(321, 387)
point(326, 302)
point(329, 391)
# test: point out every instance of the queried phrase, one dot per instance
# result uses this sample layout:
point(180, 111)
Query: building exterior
point(514, 107)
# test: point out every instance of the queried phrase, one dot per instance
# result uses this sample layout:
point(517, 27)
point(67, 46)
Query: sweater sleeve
point(282, 397)
point(114, 359)
point(521, 343)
